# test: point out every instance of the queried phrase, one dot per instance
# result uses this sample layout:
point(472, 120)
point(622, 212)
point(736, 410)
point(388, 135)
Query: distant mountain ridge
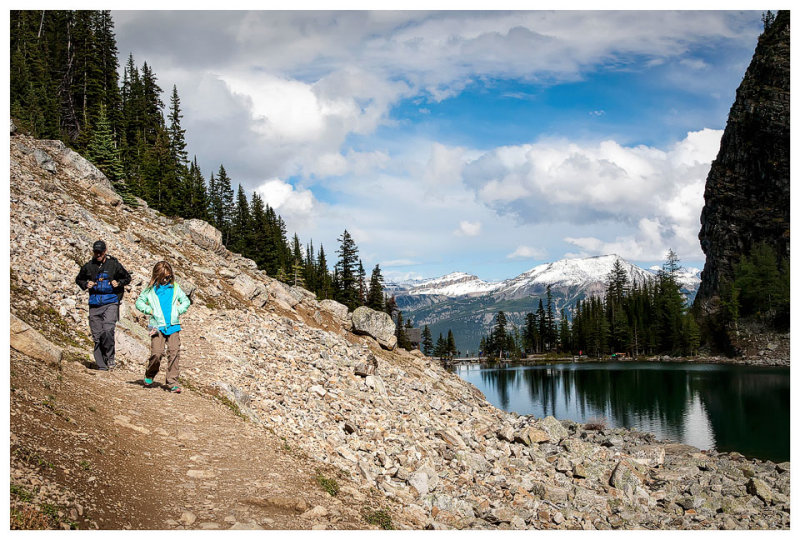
point(467, 304)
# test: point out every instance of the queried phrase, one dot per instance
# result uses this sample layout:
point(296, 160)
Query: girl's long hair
point(162, 274)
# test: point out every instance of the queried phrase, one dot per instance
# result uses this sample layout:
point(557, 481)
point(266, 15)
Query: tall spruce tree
point(427, 341)
point(375, 297)
point(347, 267)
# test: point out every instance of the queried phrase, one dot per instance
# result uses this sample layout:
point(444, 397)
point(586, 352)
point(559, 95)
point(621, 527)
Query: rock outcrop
point(747, 189)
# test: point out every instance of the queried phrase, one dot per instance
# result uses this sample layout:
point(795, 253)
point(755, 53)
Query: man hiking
point(105, 278)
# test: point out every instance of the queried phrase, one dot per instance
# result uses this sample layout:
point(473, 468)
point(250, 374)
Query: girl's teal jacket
point(148, 304)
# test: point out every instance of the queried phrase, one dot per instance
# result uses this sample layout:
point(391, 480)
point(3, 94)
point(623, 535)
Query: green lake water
point(710, 406)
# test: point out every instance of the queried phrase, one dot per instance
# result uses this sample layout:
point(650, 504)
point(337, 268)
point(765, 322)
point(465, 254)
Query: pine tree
point(452, 350)
point(427, 341)
point(102, 151)
point(362, 284)
point(241, 226)
point(224, 204)
point(347, 266)
point(440, 350)
point(325, 285)
point(390, 305)
point(375, 296)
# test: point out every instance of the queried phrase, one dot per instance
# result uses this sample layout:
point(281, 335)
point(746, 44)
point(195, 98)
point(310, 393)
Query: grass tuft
point(330, 485)
point(381, 518)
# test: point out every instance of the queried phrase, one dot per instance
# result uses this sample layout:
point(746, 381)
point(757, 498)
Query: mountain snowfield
point(564, 273)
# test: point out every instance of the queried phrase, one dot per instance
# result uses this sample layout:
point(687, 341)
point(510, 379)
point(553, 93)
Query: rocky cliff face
point(393, 423)
point(747, 190)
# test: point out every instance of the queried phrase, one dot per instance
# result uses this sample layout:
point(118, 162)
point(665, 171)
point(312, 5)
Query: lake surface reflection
point(710, 406)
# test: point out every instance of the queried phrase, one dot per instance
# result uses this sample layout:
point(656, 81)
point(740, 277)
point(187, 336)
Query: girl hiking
point(165, 302)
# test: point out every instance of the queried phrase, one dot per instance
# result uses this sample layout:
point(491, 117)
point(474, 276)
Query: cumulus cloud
point(278, 89)
point(467, 228)
point(295, 206)
point(444, 166)
point(526, 252)
point(659, 192)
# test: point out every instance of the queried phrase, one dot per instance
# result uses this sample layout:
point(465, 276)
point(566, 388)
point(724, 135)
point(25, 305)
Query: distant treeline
point(65, 85)
point(631, 318)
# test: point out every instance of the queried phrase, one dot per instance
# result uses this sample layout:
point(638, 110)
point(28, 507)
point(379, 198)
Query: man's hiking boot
point(175, 389)
point(148, 383)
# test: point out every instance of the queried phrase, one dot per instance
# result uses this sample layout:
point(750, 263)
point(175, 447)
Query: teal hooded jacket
point(148, 304)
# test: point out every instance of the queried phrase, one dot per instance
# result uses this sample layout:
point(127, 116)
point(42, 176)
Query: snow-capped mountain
point(451, 285)
point(590, 274)
point(467, 304)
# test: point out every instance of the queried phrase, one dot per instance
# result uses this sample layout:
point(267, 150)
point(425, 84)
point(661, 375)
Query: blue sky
point(485, 142)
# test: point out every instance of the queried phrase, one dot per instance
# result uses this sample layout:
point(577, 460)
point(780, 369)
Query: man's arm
point(121, 275)
point(83, 277)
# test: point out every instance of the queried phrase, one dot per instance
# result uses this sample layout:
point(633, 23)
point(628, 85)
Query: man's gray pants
point(102, 321)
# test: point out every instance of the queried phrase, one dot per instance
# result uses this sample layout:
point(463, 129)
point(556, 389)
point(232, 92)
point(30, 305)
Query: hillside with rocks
point(296, 413)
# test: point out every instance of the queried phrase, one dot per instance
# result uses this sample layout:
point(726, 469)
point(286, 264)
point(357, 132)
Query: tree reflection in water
point(714, 406)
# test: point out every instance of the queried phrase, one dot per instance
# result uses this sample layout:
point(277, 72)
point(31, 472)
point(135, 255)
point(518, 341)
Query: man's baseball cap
point(99, 246)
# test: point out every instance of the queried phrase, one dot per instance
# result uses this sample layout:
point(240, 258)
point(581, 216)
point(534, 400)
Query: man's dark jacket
point(103, 274)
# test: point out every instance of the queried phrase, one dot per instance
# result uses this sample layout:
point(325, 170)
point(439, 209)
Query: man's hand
point(90, 284)
point(114, 283)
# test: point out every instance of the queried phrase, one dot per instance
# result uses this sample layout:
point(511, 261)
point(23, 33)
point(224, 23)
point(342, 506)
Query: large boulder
point(339, 311)
point(203, 234)
point(106, 194)
point(31, 343)
point(376, 324)
point(283, 293)
point(553, 428)
point(44, 160)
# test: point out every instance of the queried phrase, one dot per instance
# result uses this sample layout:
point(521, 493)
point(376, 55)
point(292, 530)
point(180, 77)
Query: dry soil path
point(96, 449)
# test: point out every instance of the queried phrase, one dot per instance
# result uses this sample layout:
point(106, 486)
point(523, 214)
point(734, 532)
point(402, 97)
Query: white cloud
point(444, 166)
point(295, 206)
point(590, 183)
point(649, 242)
point(467, 228)
point(526, 252)
point(308, 80)
point(399, 262)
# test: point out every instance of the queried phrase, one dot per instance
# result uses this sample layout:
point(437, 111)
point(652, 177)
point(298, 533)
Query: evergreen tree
point(564, 334)
point(347, 266)
point(103, 153)
point(223, 204)
point(399, 332)
point(362, 284)
point(440, 349)
point(325, 285)
point(375, 297)
point(452, 350)
point(177, 135)
point(241, 225)
point(391, 306)
point(427, 341)
point(198, 204)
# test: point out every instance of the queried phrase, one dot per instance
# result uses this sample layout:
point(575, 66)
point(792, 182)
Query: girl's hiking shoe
point(148, 382)
point(175, 389)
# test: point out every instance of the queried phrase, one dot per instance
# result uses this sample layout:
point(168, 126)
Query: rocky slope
point(401, 433)
point(747, 189)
